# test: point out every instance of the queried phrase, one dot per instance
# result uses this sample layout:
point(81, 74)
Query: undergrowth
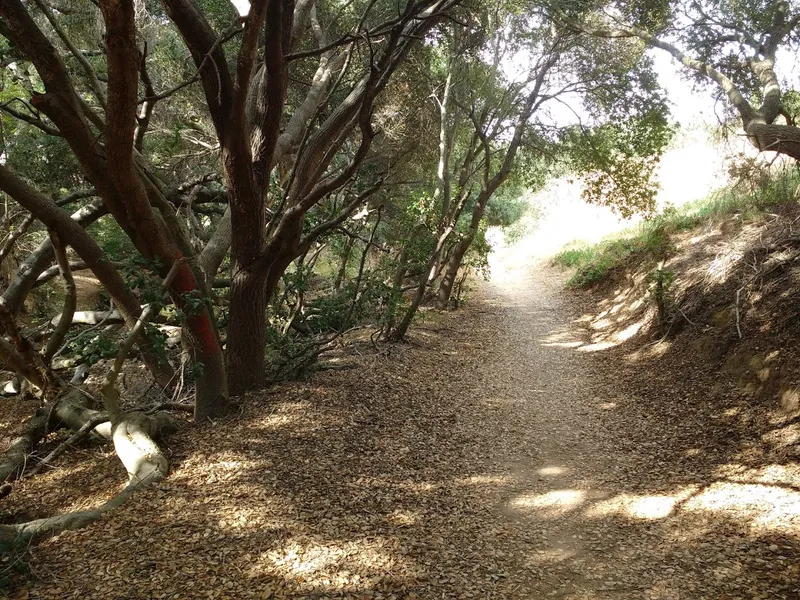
point(750, 197)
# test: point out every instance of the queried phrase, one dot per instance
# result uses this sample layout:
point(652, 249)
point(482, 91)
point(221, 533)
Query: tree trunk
point(397, 290)
point(247, 327)
point(127, 194)
point(247, 321)
point(451, 271)
point(461, 247)
point(211, 382)
point(783, 139)
point(427, 277)
point(342, 274)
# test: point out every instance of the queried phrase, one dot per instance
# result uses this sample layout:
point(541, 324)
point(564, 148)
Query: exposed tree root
point(134, 441)
point(84, 431)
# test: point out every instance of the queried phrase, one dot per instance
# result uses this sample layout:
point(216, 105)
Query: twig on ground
point(70, 441)
point(738, 327)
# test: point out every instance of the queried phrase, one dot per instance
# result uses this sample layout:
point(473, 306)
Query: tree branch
point(70, 300)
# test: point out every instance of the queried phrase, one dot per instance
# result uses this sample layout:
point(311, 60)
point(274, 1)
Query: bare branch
point(12, 238)
point(91, 76)
point(109, 390)
point(70, 300)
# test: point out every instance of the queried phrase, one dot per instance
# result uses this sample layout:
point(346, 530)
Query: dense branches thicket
point(223, 192)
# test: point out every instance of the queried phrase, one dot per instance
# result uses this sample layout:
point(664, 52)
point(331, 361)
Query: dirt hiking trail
point(491, 457)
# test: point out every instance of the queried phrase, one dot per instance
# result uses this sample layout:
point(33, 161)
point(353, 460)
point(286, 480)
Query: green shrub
point(574, 257)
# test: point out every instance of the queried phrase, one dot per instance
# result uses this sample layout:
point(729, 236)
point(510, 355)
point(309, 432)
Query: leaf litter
point(487, 458)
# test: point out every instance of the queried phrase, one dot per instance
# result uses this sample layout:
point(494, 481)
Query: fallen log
point(134, 442)
point(134, 436)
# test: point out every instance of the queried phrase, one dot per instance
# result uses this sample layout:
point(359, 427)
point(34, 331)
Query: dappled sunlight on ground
point(493, 457)
point(763, 507)
point(549, 504)
point(638, 506)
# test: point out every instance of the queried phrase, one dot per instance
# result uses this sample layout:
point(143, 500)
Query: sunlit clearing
point(553, 503)
point(562, 217)
point(608, 405)
point(639, 507)
point(553, 471)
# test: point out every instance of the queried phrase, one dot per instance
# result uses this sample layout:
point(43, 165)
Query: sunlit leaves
point(617, 161)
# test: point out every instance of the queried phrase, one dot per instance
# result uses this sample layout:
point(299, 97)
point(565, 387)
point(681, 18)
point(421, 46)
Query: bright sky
point(688, 107)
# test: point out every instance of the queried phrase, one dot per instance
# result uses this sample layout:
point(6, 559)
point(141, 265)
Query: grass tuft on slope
point(650, 240)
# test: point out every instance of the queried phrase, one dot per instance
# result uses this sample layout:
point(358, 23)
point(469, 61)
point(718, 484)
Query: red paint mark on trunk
point(200, 325)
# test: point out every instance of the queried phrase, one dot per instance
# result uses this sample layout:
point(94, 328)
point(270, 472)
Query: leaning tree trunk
point(463, 245)
point(427, 278)
point(127, 196)
point(25, 279)
point(451, 271)
point(783, 139)
point(72, 233)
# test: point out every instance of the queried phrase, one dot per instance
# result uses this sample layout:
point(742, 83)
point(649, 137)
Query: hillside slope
point(711, 311)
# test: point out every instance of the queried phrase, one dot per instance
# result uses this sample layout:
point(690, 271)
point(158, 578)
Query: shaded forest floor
point(498, 455)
